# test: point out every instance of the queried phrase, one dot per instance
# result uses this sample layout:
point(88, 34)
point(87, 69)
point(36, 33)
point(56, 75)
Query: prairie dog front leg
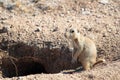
point(75, 56)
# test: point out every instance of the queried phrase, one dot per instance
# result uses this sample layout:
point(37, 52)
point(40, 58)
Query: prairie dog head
point(72, 33)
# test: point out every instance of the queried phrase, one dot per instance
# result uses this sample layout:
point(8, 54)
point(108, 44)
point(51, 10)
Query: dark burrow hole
point(12, 67)
point(22, 59)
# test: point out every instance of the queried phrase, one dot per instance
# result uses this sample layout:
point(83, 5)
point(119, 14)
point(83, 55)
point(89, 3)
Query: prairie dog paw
point(73, 61)
point(71, 50)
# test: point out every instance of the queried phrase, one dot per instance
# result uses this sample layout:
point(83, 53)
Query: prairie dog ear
point(66, 30)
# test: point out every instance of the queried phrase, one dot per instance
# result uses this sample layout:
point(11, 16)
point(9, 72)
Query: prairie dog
point(84, 49)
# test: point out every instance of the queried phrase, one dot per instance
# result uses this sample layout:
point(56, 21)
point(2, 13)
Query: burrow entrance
point(25, 60)
point(12, 67)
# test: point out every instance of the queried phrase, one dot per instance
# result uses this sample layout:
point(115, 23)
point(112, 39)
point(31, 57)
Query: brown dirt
point(111, 71)
point(32, 34)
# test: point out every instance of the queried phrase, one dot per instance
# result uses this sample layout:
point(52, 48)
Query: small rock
point(7, 4)
point(43, 7)
point(62, 15)
point(37, 30)
point(90, 29)
point(10, 7)
point(103, 1)
point(34, 1)
point(4, 30)
point(85, 11)
point(87, 27)
point(3, 18)
point(105, 34)
point(55, 29)
point(91, 76)
point(37, 25)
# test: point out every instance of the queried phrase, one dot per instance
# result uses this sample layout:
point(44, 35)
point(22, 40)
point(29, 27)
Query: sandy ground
point(37, 22)
point(110, 71)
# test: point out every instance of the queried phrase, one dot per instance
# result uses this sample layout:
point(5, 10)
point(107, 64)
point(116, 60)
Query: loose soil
point(33, 46)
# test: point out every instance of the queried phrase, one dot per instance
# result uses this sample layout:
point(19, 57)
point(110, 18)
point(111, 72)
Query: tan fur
point(86, 51)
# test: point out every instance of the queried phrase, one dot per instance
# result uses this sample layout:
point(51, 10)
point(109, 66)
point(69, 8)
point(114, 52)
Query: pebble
point(104, 1)
point(85, 12)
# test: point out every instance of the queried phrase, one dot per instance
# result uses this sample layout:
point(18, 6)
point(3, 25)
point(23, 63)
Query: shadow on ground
point(23, 59)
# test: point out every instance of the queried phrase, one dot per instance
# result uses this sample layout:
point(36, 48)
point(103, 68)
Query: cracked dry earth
point(35, 22)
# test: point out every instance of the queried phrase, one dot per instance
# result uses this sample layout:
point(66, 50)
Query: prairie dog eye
point(71, 31)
